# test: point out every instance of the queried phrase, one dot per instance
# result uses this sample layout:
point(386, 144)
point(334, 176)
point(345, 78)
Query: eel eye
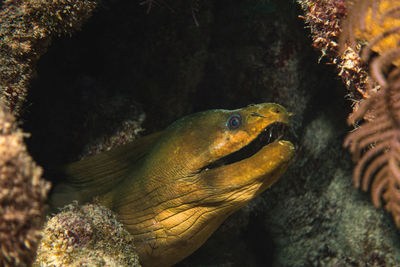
point(234, 121)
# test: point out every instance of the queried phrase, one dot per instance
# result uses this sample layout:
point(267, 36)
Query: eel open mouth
point(273, 132)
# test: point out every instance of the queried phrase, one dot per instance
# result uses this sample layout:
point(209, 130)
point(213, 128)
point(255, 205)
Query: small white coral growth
point(88, 235)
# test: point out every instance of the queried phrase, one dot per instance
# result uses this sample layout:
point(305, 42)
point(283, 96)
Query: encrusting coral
point(26, 30)
point(371, 26)
point(89, 235)
point(22, 196)
point(325, 19)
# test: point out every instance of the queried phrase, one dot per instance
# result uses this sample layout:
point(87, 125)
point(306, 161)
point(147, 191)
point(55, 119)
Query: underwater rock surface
point(23, 193)
point(85, 236)
point(242, 52)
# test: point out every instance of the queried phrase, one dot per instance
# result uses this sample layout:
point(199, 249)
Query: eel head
point(205, 167)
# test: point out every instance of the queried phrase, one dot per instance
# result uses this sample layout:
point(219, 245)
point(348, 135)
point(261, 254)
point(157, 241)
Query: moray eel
point(172, 189)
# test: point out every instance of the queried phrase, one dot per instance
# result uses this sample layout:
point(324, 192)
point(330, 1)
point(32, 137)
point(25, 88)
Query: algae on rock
point(22, 196)
point(26, 30)
point(88, 235)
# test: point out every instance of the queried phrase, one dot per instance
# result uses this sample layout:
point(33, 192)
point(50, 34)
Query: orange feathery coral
point(375, 144)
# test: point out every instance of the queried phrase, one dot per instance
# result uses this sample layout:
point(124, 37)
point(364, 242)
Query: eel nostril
point(276, 110)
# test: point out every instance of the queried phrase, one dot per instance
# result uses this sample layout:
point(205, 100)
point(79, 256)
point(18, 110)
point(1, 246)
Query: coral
point(325, 19)
point(374, 22)
point(370, 26)
point(89, 235)
point(26, 30)
point(375, 144)
point(22, 196)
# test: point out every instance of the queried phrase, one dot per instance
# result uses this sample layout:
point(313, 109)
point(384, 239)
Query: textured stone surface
point(89, 235)
point(22, 195)
point(26, 30)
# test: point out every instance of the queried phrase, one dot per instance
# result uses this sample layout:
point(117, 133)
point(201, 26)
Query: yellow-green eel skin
point(171, 190)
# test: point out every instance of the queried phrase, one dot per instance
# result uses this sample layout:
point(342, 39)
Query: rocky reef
point(27, 28)
point(136, 67)
point(23, 193)
point(85, 236)
point(367, 55)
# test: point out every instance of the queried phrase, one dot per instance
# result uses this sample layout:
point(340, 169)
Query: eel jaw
point(272, 133)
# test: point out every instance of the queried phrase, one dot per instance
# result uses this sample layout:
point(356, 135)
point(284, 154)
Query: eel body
point(172, 189)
